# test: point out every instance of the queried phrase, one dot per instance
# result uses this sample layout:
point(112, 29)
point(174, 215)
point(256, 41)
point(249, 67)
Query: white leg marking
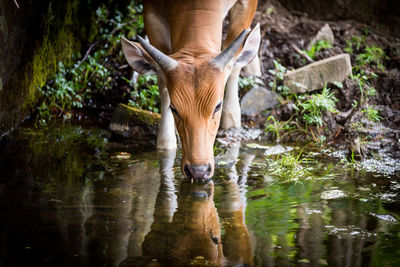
point(166, 139)
point(231, 110)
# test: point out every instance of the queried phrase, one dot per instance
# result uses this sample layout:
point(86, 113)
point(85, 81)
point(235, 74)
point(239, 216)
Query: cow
point(184, 50)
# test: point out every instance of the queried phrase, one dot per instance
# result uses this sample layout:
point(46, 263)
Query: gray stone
point(257, 100)
point(132, 122)
point(314, 76)
point(278, 149)
point(324, 34)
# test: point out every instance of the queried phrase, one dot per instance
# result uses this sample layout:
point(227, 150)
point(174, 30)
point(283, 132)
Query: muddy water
point(69, 197)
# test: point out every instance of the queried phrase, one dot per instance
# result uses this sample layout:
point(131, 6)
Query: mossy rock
point(131, 122)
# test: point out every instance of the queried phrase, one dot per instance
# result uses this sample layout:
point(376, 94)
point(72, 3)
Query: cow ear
point(250, 47)
point(137, 57)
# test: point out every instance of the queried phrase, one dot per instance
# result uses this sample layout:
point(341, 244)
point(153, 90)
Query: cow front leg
point(231, 109)
point(166, 139)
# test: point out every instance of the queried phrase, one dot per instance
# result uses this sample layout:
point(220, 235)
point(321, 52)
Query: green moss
point(54, 48)
point(126, 113)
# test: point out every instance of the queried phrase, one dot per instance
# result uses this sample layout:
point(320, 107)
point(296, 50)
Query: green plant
point(349, 161)
point(321, 140)
point(246, 83)
point(367, 30)
point(357, 126)
point(146, 94)
point(287, 166)
point(349, 47)
point(372, 114)
point(356, 42)
point(312, 107)
point(278, 75)
point(74, 85)
point(129, 24)
point(70, 86)
point(278, 127)
point(362, 79)
point(317, 47)
point(372, 55)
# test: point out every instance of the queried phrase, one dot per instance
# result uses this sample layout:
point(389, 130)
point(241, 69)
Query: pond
point(73, 196)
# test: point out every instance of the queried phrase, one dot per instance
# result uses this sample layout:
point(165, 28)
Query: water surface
point(73, 196)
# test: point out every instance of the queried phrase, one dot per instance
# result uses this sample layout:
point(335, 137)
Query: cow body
point(185, 51)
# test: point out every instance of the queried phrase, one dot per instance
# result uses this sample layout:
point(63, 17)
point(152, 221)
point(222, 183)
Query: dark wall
point(33, 39)
point(385, 12)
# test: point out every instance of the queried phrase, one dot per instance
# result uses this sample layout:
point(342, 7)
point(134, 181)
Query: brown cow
point(185, 53)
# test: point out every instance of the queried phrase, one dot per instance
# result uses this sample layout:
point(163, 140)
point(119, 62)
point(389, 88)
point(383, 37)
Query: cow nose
point(198, 172)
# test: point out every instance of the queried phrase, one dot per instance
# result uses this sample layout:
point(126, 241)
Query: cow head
point(196, 90)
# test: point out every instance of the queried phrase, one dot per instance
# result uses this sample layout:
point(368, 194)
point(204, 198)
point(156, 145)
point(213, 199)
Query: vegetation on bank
point(310, 114)
point(100, 74)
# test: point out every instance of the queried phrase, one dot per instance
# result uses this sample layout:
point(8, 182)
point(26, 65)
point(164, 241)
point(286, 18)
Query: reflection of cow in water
point(194, 234)
point(191, 236)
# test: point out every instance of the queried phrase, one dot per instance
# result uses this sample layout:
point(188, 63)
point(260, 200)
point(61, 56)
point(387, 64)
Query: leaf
point(254, 145)
point(338, 84)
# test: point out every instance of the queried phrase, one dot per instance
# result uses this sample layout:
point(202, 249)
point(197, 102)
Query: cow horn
point(166, 63)
point(225, 56)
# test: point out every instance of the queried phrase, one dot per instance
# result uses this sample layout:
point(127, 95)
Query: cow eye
point(173, 109)
point(218, 107)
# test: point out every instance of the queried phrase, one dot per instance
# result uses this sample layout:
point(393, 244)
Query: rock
point(314, 76)
point(257, 100)
point(278, 149)
point(324, 34)
point(132, 122)
point(356, 149)
point(333, 194)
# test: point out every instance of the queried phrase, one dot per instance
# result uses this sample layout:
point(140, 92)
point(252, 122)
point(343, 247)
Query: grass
point(317, 47)
point(278, 74)
point(372, 55)
point(145, 94)
point(278, 128)
point(309, 110)
point(312, 108)
point(363, 80)
point(349, 162)
point(354, 44)
point(287, 166)
point(246, 83)
point(372, 114)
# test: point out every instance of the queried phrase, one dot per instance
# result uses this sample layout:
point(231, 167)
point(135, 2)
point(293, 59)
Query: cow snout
point(198, 172)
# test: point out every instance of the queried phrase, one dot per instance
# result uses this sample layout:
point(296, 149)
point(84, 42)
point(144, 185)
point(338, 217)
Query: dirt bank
point(284, 31)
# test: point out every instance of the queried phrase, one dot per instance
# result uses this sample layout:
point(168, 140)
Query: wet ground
point(73, 196)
